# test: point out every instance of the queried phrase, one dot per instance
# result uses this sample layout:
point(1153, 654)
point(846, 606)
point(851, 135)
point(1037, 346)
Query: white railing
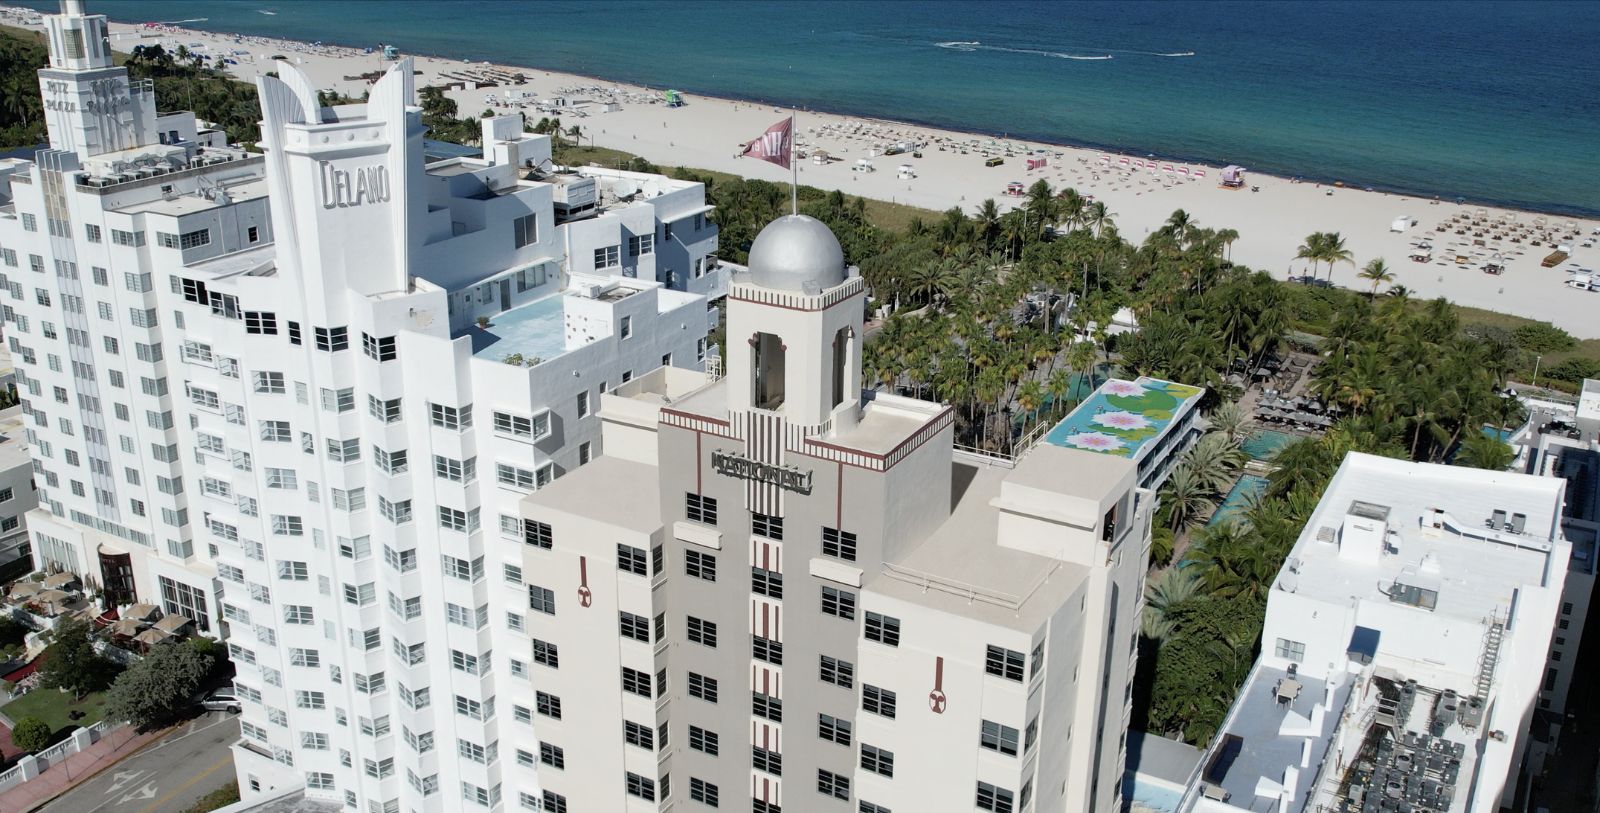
point(53, 755)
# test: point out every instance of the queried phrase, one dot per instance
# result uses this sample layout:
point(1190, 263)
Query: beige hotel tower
point(774, 591)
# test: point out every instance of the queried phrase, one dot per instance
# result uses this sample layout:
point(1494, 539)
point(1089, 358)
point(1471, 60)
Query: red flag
point(775, 145)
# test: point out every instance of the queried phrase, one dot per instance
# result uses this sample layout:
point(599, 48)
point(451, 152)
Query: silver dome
point(797, 253)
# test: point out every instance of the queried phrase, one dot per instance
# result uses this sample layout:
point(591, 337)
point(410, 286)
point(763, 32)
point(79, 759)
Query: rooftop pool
point(536, 330)
point(1144, 795)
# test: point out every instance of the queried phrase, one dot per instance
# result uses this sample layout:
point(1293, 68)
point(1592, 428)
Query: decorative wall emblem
point(585, 595)
point(936, 699)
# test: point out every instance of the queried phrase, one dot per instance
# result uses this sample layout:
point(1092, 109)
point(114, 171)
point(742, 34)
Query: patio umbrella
point(151, 636)
point(22, 590)
point(61, 580)
point(173, 623)
point(126, 627)
point(141, 612)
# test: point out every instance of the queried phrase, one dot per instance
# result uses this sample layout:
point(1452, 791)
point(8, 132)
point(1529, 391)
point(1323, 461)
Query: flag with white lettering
point(775, 145)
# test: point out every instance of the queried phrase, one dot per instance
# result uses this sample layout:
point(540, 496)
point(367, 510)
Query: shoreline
point(1058, 141)
point(1271, 221)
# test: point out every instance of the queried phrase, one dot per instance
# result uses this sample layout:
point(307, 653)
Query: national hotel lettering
point(788, 478)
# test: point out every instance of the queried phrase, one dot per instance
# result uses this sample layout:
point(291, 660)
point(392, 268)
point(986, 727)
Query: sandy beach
point(1272, 215)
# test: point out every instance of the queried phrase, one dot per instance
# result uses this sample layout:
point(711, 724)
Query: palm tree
point(1214, 460)
point(988, 217)
point(1227, 237)
point(1186, 497)
point(1333, 251)
point(1096, 217)
point(1480, 451)
point(1377, 271)
point(1164, 594)
point(1312, 249)
point(1228, 420)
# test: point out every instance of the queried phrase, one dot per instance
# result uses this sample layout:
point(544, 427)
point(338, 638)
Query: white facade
point(17, 496)
point(293, 396)
point(789, 594)
point(1408, 630)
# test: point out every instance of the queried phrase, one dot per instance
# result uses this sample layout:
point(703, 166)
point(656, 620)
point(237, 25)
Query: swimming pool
point(1264, 443)
point(1142, 794)
point(1239, 498)
point(1502, 435)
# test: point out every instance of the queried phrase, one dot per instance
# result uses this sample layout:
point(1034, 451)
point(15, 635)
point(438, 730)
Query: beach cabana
point(1233, 176)
point(1402, 223)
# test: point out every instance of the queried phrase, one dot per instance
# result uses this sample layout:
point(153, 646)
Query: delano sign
point(788, 478)
point(346, 188)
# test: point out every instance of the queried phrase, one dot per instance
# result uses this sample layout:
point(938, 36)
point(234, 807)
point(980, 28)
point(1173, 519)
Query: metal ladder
point(1491, 654)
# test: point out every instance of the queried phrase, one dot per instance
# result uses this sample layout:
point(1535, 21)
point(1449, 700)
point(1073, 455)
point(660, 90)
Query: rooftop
point(534, 330)
point(221, 195)
point(630, 499)
point(1264, 735)
point(13, 440)
point(1123, 418)
point(1436, 535)
point(961, 568)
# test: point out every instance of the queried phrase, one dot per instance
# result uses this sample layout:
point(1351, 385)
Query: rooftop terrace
point(1124, 418)
point(534, 330)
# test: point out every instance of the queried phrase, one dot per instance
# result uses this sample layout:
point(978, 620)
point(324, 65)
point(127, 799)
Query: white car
point(222, 700)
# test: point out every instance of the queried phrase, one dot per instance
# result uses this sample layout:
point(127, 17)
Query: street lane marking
point(224, 762)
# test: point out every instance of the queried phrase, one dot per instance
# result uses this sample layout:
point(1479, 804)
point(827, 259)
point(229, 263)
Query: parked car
point(222, 700)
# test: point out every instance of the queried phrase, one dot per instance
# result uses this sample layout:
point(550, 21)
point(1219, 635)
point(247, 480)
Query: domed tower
point(794, 330)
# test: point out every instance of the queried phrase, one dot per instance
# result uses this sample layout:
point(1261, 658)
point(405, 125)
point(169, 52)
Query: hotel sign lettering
point(345, 188)
point(788, 478)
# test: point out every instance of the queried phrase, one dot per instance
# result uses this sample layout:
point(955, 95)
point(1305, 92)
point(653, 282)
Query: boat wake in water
point(968, 46)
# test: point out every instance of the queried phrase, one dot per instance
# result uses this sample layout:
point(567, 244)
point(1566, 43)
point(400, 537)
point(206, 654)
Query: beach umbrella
point(1199, 173)
point(1183, 170)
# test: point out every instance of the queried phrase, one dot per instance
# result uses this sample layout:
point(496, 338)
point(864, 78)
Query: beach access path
point(1272, 222)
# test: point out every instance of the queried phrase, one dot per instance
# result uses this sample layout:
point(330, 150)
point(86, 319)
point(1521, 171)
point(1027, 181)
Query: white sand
point(1271, 222)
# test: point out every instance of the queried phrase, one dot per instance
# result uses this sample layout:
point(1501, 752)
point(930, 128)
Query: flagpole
point(794, 169)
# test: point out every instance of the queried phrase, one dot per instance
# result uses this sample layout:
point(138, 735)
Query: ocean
point(1488, 101)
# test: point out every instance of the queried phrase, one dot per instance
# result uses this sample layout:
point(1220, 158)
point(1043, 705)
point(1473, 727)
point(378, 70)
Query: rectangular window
point(702, 687)
point(1290, 650)
point(542, 599)
point(638, 735)
point(878, 701)
point(636, 627)
point(883, 629)
point(641, 244)
point(546, 654)
point(449, 417)
point(261, 323)
point(700, 509)
point(631, 559)
point(765, 582)
point(766, 649)
point(700, 565)
point(703, 792)
point(768, 526)
point(997, 737)
point(635, 682)
point(525, 231)
point(702, 740)
point(839, 544)
point(332, 339)
point(641, 787)
point(765, 705)
point(839, 672)
point(548, 705)
point(702, 632)
point(838, 603)
point(994, 799)
point(832, 784)
point(1002, 662)
point(607, 257)
point(380, 348)
point(877, 760)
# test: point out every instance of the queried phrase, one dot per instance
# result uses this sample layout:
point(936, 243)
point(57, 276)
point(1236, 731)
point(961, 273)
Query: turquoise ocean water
point(1494, 102)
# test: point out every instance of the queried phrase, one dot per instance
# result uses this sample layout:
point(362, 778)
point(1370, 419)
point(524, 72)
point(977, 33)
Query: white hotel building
point(1404, 652)
point(259, 394)
point(788, 594)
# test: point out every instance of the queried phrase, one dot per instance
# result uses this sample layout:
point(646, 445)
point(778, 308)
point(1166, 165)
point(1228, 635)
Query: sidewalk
point(111, 749)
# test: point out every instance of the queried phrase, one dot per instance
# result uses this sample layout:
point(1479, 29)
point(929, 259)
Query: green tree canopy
point(71, 662)
point(31, 734)
point(155, 689)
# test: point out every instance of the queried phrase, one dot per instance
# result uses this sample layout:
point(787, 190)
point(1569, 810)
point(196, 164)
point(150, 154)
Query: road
point(165, 777)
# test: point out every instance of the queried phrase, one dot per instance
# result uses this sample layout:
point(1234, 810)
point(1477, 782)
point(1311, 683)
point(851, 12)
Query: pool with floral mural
point(1121, 417)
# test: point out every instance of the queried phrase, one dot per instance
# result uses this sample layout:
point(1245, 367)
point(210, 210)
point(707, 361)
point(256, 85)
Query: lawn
point(53, 707)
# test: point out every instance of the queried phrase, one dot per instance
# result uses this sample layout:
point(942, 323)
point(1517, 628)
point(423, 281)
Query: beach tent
point(1402, 223)
point(1233, 175)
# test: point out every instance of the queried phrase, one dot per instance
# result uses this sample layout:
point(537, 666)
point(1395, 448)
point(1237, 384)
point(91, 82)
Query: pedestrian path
point(112, 748)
